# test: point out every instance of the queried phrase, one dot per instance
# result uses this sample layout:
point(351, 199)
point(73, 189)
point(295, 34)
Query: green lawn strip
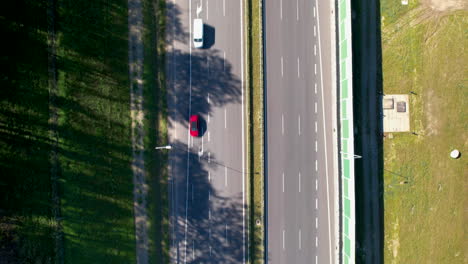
point(255, 133)
point(424, 197)
point(95, 150)
point(26, 221)
point(156, 129)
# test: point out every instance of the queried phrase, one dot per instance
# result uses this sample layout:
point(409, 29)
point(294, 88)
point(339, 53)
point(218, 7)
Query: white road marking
point(316, 165)
point(281, 9)
point(208, 118)
point(315, 49)
point(283, 239)
point(209, 176)
point(227, 241)
point(315, 88)
point(299, 124)
point(315, 31)
point(282, 66)
point(208, 99)
point(299, 182)
point(208, 136)
point(297, 10)
point(315, 107)
point(298, 68)
point(225, 119)
point(316, 241)
point(316, 259)
point(316, 146)
point(209, 157)
point(225, 176)
point(316, 222)
point(283, 181)
point(316, 127)
point(316, 203)
point(282, 124)
point(315, 69)
point(316, 184)
point(300, 239)
point(224, 7)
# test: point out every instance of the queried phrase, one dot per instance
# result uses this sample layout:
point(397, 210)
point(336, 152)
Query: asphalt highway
point(300, 171)
point(207, 185)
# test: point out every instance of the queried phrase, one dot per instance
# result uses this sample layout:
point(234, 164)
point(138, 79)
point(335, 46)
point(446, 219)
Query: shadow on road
point(367, 83)
point(198, 82)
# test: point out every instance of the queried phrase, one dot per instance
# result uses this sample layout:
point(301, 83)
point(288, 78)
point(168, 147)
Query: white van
point(198, 33)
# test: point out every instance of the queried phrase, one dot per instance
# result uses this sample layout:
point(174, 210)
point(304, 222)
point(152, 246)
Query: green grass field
point(424, 189)
point(94, 128)
point(26, 222)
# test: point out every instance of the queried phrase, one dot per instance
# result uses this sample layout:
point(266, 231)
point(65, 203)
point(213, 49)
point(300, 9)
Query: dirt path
point(140, 187)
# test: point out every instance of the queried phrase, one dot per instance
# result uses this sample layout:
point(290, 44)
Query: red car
point(194, 125)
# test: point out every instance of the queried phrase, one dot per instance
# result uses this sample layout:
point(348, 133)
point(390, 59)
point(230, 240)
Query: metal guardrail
point(346, 120)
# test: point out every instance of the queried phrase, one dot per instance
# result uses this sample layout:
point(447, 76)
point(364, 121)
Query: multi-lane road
point(300, 175)
point(207, 193)
point(207, 174)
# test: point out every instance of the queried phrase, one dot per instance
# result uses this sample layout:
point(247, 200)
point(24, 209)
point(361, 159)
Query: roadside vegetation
point(255, 129)
point(156, 129)
point(26, 221)
point(424, 55)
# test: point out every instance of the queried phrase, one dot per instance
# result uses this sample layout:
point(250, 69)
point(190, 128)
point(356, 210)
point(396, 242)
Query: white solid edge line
point(188, 132)
point(243, 136)
point(325, 136)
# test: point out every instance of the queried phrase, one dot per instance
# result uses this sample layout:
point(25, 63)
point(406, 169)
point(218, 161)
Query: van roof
point(197, 28)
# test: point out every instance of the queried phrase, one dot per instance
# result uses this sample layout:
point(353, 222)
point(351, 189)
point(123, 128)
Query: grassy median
point(424, 192)
point(156, 129)
point(255, 132)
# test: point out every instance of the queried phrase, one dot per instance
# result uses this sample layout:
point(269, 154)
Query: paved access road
point(207, 194)
point(300, 131)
